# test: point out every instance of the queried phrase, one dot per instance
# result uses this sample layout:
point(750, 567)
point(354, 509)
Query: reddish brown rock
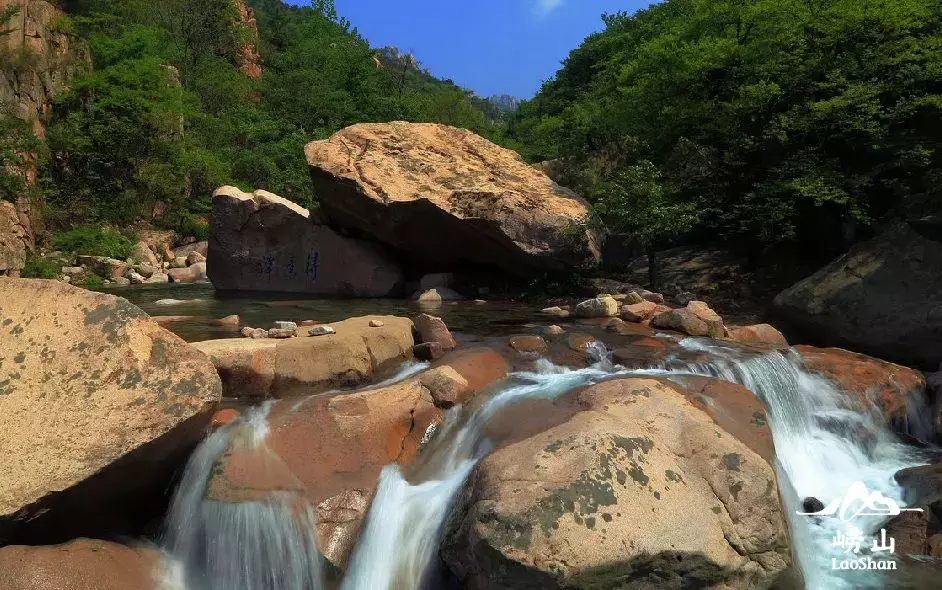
point(638, 312)
point(758, 333)
point(331, 449)
point(871, 382)
point(712, 319)
point(681, 320)
point(432, 329)
point(14, 241)
point(83, 564)
point(191, 274)
point(446, 196)
point(428, 351)
point(528, 344)
point(223, 417)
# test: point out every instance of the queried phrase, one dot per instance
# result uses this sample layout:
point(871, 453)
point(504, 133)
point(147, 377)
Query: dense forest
point(786, 128)
point(782, 126)
point(167, 112)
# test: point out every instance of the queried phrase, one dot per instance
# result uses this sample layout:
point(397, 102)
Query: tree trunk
point(652, 269)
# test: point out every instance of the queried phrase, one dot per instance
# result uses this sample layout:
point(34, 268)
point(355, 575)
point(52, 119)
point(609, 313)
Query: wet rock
point(553, 330)
point(148, 394)
point(561, 508)
point(223, 417)
point(432, 329)
point(714, 322)
point(528, 344)
point(908, 530)
point(881, 298)
point(438, 295)
point(332, 448)
point(260, 241)
point(638, 312)
point(428, 351)
point(351, 357)
point(446, 386)
point(556, 312)
point(681, 320)
point(229, 320)
point(599, 307)
point(758, 333)
point(475, 202)
point(307, 323)
point(812, 504)
point(869, 382)
point(82, 564)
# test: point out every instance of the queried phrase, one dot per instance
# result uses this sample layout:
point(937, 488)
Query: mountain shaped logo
point(860, 501)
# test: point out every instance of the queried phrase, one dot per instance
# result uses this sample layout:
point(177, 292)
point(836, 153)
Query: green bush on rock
point(94, 241)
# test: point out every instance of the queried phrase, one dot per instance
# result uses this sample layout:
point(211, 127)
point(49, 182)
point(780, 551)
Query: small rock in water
point(528, 344)
point(553, 330)
point(307, 323)
point(259, 333)
point(285, 326)
point(229, 320)
point(247, 332)
point(321, 331)
point(376, 323)
point(599, 307)
point(282, 333)
point(169, 302)
point(122, 282)
point(135, 278)
point(479, 302)
point(429, 351)
point(556, 312)
point(812, 504)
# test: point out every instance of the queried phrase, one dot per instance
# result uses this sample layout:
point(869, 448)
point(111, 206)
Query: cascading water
point(821, 449)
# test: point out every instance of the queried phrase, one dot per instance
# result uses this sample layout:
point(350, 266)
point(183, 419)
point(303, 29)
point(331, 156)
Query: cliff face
point(38, 57)
point(248, 59)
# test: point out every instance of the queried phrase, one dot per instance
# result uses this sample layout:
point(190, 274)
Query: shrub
point(93, 281)
point(94, 241)
point(41, 268)
point(191, 225)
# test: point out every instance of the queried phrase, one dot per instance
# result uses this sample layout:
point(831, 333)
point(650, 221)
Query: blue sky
point(489, 46)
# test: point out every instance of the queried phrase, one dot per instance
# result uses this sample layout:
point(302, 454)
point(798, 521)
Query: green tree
point(635, 203)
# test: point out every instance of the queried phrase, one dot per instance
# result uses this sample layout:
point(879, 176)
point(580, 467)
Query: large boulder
point(329, 450)
point(446, 197)
point(98, 406)
point(82, 564)
point(194, 273)
point(638, 489)
point(353, 355)
point(262, 242)
point(870, 382)
point(881, 298)
point(14, 241)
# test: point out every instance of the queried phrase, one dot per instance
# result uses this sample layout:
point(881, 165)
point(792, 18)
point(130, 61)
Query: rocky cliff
point(247, 58)
point(38, 56)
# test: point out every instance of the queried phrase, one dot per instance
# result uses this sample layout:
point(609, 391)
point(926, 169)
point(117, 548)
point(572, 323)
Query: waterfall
point(821, 449)
point(263, 545)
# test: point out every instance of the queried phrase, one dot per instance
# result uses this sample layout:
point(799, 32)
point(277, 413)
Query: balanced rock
point(260, 241)
point(447, 197)
point(881, 298)
point(98, 405)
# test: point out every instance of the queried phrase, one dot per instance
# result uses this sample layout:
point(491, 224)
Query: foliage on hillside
point(165, 116)
point(782, 122)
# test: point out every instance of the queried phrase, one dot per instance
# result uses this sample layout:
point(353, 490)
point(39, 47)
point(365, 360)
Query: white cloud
point(545, 7)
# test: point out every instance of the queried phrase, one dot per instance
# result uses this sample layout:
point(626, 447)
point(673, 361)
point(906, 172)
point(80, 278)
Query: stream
point(821, 449)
